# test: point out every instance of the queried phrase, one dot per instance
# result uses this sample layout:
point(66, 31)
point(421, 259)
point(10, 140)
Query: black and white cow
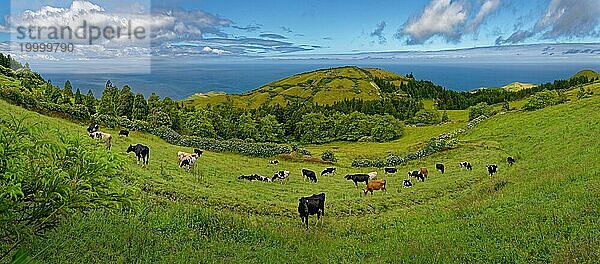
point(254, 177)
point(407, 183)
point(413, 174)
point(492, 169)
point(124, 132)
point(328, 171)
point(510, 161)
point(466, 165)
point(312, 205)
point(273, 162)
point(141, 152)
point(93, 128)
point(356, 178)
point(421, 177)
point(310, 175)
point(281, 175)
point(390, 170)
point(440, 167)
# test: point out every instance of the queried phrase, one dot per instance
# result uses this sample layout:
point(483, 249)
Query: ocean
point(180, 80)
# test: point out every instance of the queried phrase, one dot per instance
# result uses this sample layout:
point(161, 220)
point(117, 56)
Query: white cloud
point(210, 50)
point(440, 18)
point(486, 9)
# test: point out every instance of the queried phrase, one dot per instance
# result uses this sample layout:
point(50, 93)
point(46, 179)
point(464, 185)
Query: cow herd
point(311, 205)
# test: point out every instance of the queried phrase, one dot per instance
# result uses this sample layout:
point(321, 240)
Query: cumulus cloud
point(485, 10)
point(562, 19)
point(378, 32)
point(440, 18)
point(272, 36)
point(210, 50)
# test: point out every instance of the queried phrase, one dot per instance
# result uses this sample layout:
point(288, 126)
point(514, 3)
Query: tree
point(505, 106)
point(140, 107)
point(479, 110)
point(90, 102)
point(52, 93)
point(109, 100)
point(269, 129)
point(67, 93)
point(387, 128)
point(159, 118)
point(125, 105)
point(153, 102)
point(198, 123)
point(246, 127)
point(426, 116)
point(78, 97)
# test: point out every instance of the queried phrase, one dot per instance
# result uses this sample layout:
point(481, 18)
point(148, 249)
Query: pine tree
point(78, 97)
point(125, 104)
point(90, 102)
point(67, 93)
point(140, 107)
point(153, 102)
point(109, 100)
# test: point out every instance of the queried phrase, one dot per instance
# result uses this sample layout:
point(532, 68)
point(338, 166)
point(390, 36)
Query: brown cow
point(424, 171)
point(375, 185)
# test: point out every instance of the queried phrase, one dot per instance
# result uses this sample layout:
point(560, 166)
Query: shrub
point(328, 156)
point(479, 110)
point(426, 116)
point(542, 100)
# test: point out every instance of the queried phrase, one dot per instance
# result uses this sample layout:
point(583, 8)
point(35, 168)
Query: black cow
point(390, 170)
point(356, 178)
point(273, 162)
point(420, 176)
point(327, 171)
point(407, 184)
point(311, 205)
point(93, 128)
point(510, 161)
point(142, 152)
point(493, 168)
point(308, 174)
point(124, 132)
point(198, 152)
point(440, 167)
point(466, 165)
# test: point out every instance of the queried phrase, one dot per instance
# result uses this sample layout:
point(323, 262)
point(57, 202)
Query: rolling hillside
point(542, 209)
point(322, 86)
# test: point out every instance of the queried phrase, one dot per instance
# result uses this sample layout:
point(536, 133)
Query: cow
point(372, 175)
point(141, 152)
point(390, 170)
point(492, 169)
point(254, 177)
point(281, 175)
point(413, 174)
point(310, 175)
point(510, 161)
point(421, 177)
point(93, 128)
point(273, 162)
point(181, 155)
point(189, 161)
point(407, 183)
point(328, 171)
point(356, 178)
point(375, 185)
point(466, 165)
point(312, 205)
point(440, 167)
point(101, 135)
point(424, 171)
point(124, 132)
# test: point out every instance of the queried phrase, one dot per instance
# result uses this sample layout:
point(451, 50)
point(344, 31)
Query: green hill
point(322, 86)
point(587, 73)
point(543, 209)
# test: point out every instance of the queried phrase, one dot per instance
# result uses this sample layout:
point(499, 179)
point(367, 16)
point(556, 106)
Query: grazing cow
point(328, 171)
point(254, 177)
point(124, 132)
point(493, 168)
point(308, 174)
point(273, 162)
point(141, 152)
point(101, 135)
point(421, 177)
point(356, 178)
point(440, 167)
point(407, 183)
point(413, 174)
point(466, 165)
point(189, 161)
point(424, 171)
point(390, 170)
point(93, 128)
point(510, 161)
point(282, 175)
point(311, 205)
point(372, 175)
point(181, 155)
point(375, 185)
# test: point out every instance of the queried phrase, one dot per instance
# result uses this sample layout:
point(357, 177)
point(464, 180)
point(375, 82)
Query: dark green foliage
point(328, 156)
point(505, 106)
point(90, 103)
point(445, 117)
point(479, 110)
point(67, 93)
point(426, 116)
point(544, 99)
point(140, 107)
point(125, 104)
point(78, 97)
point(109, 100)
point(45, 179)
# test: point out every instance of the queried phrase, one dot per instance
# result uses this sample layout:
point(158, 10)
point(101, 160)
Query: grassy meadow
point(545, 208)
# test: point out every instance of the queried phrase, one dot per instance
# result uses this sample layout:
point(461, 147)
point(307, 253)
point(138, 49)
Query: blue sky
point(282, 27)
